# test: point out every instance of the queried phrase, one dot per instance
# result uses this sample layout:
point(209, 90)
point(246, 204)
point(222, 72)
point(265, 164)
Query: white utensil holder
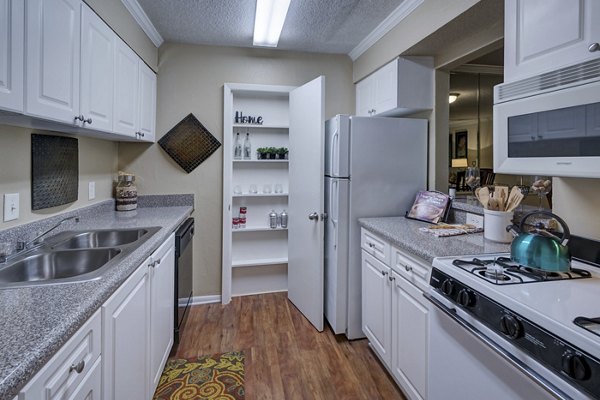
point(494, 225)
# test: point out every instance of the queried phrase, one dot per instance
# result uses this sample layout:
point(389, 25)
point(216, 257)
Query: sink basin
point(52, 265)
point(102, 238)
point(73, 256)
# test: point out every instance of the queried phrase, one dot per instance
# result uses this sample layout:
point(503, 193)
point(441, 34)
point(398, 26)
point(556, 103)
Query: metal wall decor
point(189, 143)
point(54, 171)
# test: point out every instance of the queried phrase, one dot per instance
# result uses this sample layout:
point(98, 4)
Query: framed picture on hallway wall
point(461, 144)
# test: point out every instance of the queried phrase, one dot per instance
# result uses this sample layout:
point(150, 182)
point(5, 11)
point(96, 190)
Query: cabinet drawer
point(375, 246)
point(59, 378)
point(415, 271)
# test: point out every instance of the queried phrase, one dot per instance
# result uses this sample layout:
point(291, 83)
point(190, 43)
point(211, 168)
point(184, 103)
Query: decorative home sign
point(54, 171)
point(240, 118)
point(189, 143)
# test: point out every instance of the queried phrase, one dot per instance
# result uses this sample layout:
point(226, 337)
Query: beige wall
point(97, 162)
point(576, 200)
point(114, 13)
point(190, 79)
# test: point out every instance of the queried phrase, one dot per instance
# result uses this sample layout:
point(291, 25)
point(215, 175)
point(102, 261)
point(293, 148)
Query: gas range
point(528, 313)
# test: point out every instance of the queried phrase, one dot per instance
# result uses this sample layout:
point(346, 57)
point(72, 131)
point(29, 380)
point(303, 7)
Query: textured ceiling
point(322, 26)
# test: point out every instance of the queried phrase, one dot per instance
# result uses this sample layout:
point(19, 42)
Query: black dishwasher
point(183, 273)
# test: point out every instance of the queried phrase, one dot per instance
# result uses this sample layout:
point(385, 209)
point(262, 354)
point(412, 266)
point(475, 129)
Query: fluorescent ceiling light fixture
point(268, 21)
point(452, 97)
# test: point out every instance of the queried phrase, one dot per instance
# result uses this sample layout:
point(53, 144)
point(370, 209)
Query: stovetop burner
point(504, 271)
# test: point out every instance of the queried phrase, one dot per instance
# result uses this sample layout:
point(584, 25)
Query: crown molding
point(403, 10)
point(138, 13)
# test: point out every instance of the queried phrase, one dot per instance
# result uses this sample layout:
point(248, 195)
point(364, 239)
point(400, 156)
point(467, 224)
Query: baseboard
point(197, 300)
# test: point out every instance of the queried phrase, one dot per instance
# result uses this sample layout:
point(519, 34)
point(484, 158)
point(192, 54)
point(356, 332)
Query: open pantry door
point(306, 200)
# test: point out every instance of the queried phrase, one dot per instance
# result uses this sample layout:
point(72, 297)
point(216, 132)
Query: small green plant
point(261, 153)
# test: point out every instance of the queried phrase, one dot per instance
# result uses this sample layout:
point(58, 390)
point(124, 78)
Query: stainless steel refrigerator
point(373, 168)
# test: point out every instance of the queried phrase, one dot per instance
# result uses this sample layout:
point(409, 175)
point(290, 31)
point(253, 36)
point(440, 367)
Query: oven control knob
point(510, 326)
point(466, 298)
point(447, 287)
point(576, 367)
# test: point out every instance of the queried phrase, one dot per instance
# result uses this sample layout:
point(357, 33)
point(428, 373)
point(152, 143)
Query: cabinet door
point(12, 30)
point(161, 310)
point(97, 70)
point(53, 59)
point(126, 90)
point(307, 200)
point(365, 97)
point(544, 35)
point(376, 301)
point(409, 341)
point(147, 102)
point(125, 339)
point(386, 88)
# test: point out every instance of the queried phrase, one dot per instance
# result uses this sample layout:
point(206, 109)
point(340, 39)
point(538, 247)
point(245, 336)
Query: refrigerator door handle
point(335, 153)
point(335, 198)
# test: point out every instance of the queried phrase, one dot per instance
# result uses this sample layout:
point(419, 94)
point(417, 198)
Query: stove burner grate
point(504, 271)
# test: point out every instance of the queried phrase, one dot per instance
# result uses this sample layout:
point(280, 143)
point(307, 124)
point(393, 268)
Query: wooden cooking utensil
point(484, 196)
point(493, 204)
point(502, 197)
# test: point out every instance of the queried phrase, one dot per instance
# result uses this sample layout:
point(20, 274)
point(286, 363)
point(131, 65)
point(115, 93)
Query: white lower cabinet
point(73, 372)
point(395, 315)
point(138, 328)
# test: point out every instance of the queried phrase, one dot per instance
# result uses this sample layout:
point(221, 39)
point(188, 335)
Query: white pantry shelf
point(258, 262)
point(261, 161)
point(258, 229)
point(265, 126)
point(242, 195)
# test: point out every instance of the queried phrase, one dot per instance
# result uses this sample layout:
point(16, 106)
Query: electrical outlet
point(11, 206)
point(91, 190)
point(475, 219)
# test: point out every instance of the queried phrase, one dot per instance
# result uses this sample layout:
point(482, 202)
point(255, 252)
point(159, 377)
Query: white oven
point(549, 124)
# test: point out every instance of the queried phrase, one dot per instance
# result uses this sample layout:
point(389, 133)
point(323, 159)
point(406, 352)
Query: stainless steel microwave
point(549, 125)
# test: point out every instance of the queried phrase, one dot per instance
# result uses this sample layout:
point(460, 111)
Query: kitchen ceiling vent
point(189, 143)
point(563, 78)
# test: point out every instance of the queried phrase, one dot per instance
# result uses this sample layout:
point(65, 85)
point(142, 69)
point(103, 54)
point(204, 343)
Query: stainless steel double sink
point(72, 256)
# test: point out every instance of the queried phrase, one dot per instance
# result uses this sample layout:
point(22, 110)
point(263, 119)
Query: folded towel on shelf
point(443, 230)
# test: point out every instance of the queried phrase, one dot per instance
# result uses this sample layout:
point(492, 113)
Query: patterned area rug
point(216, 377)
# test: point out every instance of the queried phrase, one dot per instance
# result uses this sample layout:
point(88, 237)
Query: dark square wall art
point(54, 171)
point(189, 143)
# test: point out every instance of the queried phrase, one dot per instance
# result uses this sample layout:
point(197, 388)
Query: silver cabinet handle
point(594, 47)
point(391, 278)
point(371, 245)
point(384, 273)
point(82, 119)
point(77, 367)
point(313, 216)
point(139, 135)
point(408, 268)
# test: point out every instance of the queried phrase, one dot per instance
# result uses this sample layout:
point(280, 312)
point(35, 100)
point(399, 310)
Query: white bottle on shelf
point(247, 147)
point(237, 148)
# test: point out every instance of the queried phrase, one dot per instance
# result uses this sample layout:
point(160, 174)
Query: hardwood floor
point(286, 358)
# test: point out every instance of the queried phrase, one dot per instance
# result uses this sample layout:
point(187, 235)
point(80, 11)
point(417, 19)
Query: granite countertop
point(36, 321)
point(404, 234)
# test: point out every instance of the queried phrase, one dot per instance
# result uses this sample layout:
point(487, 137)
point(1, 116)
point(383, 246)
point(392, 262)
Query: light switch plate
point(475, 219)
point(91, 190)
point(11, 206)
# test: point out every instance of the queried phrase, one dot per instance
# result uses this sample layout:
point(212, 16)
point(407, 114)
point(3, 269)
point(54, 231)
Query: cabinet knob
point(408, 268)
point(83, 119)
point(77, 367)
point(594, 47)
point(391, 278)
point(384, 273)
point(371, 245)
point(313, 216)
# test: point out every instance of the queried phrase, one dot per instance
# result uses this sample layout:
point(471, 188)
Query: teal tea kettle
point(540, 248)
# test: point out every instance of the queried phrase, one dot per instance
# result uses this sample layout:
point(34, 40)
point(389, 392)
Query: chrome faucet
point(21, 246)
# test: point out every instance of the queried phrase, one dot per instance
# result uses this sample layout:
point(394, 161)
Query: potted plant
point(271, 153)
point(261, 153)
point(282, 153)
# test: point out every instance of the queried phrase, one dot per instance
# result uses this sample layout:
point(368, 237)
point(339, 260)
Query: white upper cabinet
point(53, 59)
point(545, 35)
point(97, 71)
point(12, 30)
point(147, 103)
point(403, 86)
point(134, 95)
point(126, 90)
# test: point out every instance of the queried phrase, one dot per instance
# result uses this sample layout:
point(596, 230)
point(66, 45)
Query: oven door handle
point(451, 312)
